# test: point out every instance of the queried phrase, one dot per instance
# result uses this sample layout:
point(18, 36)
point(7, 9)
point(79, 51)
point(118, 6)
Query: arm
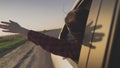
point(53, 45)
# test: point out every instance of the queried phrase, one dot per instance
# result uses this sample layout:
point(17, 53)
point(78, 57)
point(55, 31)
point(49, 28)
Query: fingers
point(5, 22)
point(93, 27)
point(98, 26)
point(6, 31)
point(4, 26)
point(10, 26)
point(11, 21)
point(90, 23)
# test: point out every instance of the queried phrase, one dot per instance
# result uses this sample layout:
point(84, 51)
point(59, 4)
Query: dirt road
point(27, 55)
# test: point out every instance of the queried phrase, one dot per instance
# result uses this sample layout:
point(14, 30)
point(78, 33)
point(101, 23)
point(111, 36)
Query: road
point(27, 55)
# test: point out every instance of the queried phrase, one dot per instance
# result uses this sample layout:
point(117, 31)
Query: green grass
point(9, 42)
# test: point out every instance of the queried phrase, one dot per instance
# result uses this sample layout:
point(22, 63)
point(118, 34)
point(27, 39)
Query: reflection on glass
point(88, 37)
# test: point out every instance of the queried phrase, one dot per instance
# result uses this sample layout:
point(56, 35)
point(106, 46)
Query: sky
point(35, 14)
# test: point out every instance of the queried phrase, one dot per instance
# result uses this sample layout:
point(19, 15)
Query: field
point(10, 42)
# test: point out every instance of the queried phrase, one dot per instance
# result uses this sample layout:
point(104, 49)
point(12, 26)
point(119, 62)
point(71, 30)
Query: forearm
point(54, 45)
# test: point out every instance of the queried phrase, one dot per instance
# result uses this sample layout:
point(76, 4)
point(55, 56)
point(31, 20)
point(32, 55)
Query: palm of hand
point(10, 26)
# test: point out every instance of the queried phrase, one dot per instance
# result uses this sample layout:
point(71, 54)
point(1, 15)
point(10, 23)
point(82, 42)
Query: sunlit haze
point(35, 14)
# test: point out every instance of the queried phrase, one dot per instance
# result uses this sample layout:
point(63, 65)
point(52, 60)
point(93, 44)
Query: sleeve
point(56, 46)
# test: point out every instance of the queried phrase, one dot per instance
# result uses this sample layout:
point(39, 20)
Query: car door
point(99, 36)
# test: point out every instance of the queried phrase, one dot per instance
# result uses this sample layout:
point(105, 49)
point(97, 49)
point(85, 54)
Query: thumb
point(11, 21)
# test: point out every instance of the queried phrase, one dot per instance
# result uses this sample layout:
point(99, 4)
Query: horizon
point(35, 14)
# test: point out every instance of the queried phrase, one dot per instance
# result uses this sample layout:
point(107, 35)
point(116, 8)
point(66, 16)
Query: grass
point(9, 42)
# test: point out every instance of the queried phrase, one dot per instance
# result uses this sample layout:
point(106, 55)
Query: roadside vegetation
point(10, 42)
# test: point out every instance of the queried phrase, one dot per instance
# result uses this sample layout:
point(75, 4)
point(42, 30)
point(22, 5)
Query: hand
point(10, 26)
point(13, 27)
point(88, 35)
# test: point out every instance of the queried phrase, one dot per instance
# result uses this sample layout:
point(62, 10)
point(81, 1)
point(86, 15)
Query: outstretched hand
point(10, 26)
point(13, 27)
